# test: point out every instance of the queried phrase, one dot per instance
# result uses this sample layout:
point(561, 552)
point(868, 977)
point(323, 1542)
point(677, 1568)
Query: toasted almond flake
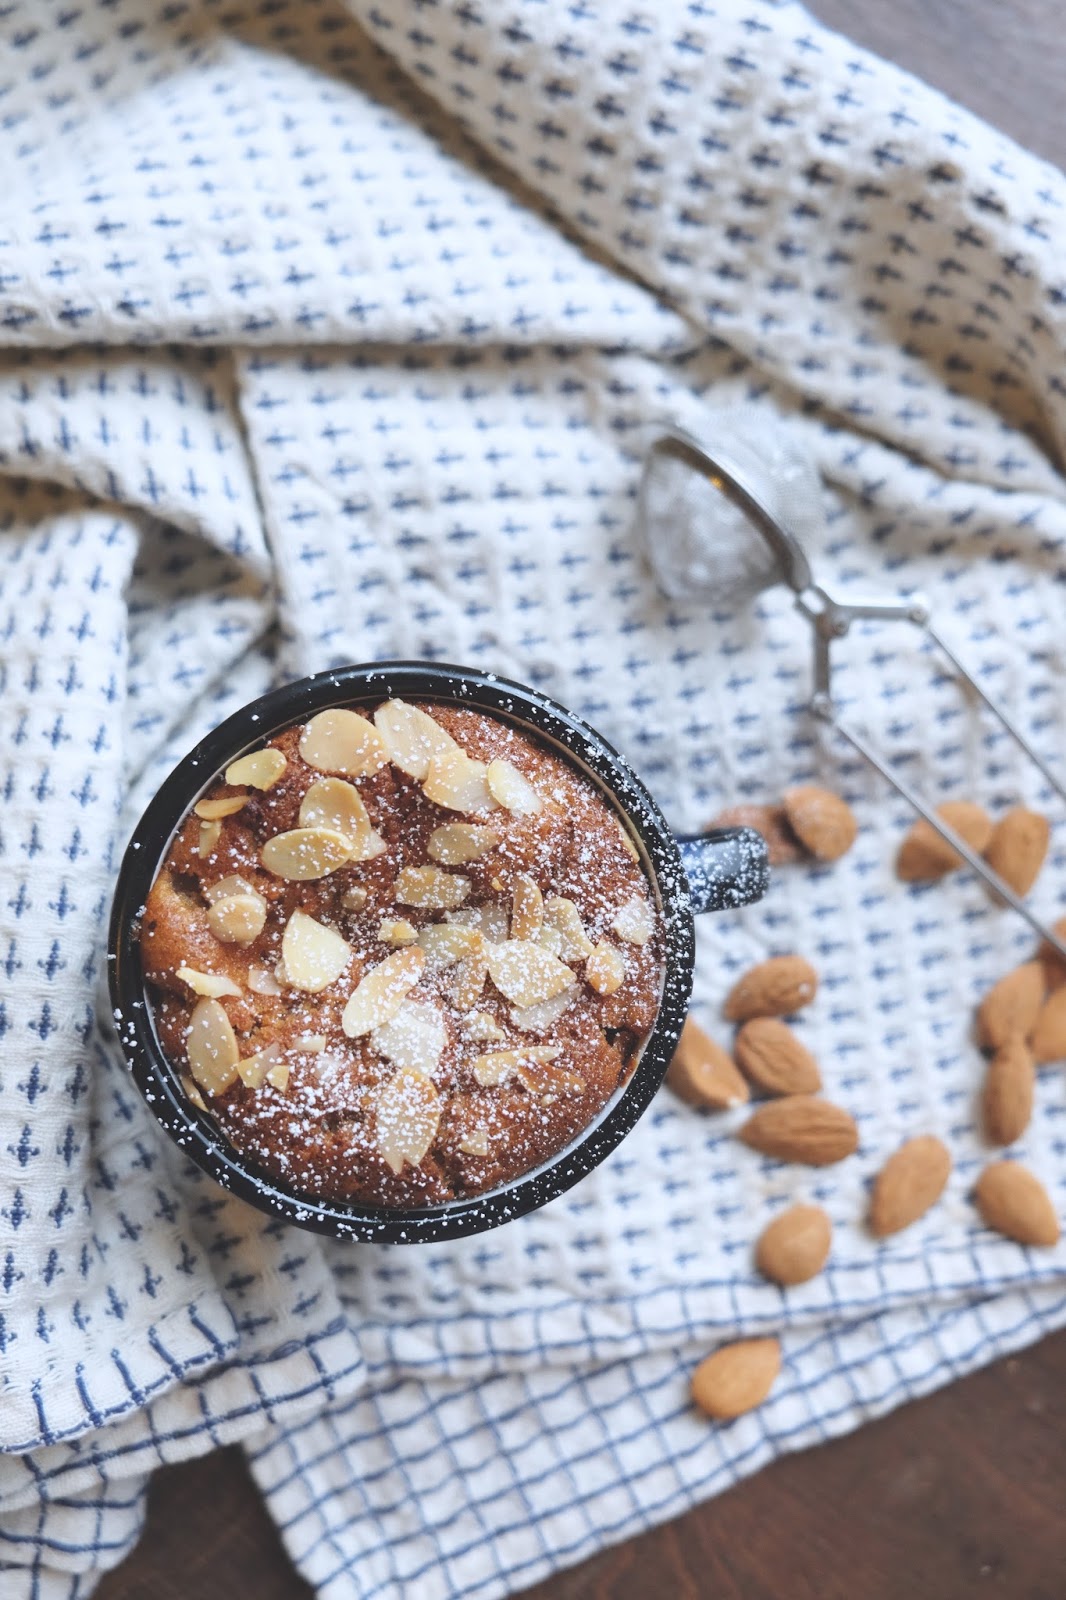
point(411, 737)
point(496, 1065)
point(605, 969)
point(355, 898)
point(228, 806)
point(415, 1038)
point(552, 940)
point(278, 1075)
point(193, 1094)
point(253, 1069)
point(627, 840)
point(539, 1018)
point(526, 973)
point(232, 883)
point(527, 908)
point(512, 789)
point(408, 1114)
point(482, 1026)
point(492, 920)
point(458, 783)
point(453, 844)
point(548, 1082)
point(238, 918)
point(468, 980)
point(337, 804)
point(445, 943)
point(305, 853)
point(396, 931)
point(382, 991)
point(212, 985)
point(260, 981)
point(498, 885)
point(563, 915)
point(635, 922)
point(475, 1144)
point(341, 741)
point(211, 1046)
point(430, 888)
point(314, 955)
point(259, 769)
point(311, 1044)
point(210, 834)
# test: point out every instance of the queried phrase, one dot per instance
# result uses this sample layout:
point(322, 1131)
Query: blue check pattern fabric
point(333, 332)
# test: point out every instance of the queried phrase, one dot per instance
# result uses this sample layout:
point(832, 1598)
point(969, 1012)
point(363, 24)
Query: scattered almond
point(541, 1017)
point(467, 980)
point(802, 1128)
point(1014, 1202)
point(260, 981)
point(211, 1046)
point(238, 918)
point(337, 805)
point(475, 1144)
point(770, 1055)
point(408, 1114)
point(782, 846)
point(910, 1182)
point(635, 922)
point(314, 955)
point(228, 806)
point(795, 1246)
point(702, 1074)
point(453, 844)
point(192, 1093)
point(415, 1037)
point(1017, 848)
point(1011, 1006)
point(1053, 964)
point(736, 1378)
point(222, 888)
point(547, 1081)
point(445, 943)
point(1048, 1038)
point(210, 834)
point(527, 908)
point(605, 969)
point(482, 1027)
point(457, 782)
point(1007, 1101)
point(259, 769)
point(305, 853)
point(252, 1070)
point(342, 741)
point(397, 931)
point(497, 1065)
point(277, 1075)
point(774, 988)
point(382, 991)
point(212, 985)
point(563, 916)
point(525, 973)
point(822, 822)
point(924, 856)
point(512, 789)
point(430, 888)
point(355, 898)
point(411, 737)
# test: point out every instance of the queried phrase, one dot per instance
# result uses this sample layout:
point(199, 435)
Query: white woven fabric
point(333, 334)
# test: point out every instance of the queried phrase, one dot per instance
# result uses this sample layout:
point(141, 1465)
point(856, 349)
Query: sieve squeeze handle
point(823, 708)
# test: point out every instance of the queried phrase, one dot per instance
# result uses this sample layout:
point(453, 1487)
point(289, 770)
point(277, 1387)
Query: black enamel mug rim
point(157, 1080)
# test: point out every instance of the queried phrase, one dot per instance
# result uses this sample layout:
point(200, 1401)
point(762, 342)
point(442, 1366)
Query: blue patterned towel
point(333, 333)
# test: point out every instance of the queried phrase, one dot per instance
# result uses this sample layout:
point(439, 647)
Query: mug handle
point(725, 867)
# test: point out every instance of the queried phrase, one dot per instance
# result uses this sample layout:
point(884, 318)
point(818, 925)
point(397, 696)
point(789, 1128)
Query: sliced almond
point(314, 955)
point(212, 985)
point(605, 969)
point(355, 898)
point(397, 931)
point(563, 915)
point(635, 922)
point(492, 920)
point(526, 973)
point(548, 1081)
point(259, 769)
point(382, 991)
point(458, 783)
point(305, 853)
point(336, 804)
point(341, 741)
point(468, 980)
point(445, 943)
point(211, 1046)
point(260, 981)
point(408, 1114)
point(551, 939)
point(232, 883)
point(475, 1144)
point(238, 918)
point(411, 737)
point(482, 1026)
point(210, 834)
point(512, 789)
point(527, 908)
point(310, 1044)
point(453, 844)
point(539, 1018)
point(228, 806)
point(253, 1069)
point(492, 1068)
point(430, 888)
point(278, 1075)
point(193, 1095)
point(416, 1037)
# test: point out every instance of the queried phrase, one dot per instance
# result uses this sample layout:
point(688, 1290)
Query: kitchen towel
point(334, 332)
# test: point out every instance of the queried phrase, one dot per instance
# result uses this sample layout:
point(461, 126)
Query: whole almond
point(774, 988)
point(1011, 1006)
point(768, 1052)
point(795, 1246)
point(802, 1128)
point(1007, 1101)
point(1053, 964)
point(782, 846)
point(702, 1074)
point(736, 1378)
point(822, 822)
point(1017, 848)
point(924, 856)
point(1048, 1038)
point(910, 1181)
point(1014, 1202)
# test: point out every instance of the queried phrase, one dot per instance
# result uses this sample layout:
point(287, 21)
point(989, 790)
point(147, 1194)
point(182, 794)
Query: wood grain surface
point(957, 1496)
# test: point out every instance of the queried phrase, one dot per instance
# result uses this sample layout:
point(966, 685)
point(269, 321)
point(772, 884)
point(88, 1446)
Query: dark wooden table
point(959, 1495)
